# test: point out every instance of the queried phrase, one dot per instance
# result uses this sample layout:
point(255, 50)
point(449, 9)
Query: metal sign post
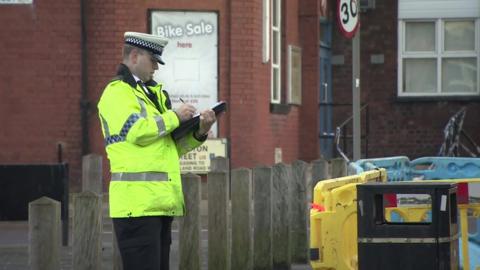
point(356, 97)
point(348, 20)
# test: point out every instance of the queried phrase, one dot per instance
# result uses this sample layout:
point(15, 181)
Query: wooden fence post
point(189, 246)
point(218, 237)
point(87, 231)
point(320, 171)
point(219, 164)
point(281, 217)
point(339, 167)
point(262, 207)
point(242, 245)
point(116, 257)
point(299, 214)
point(92, 173)
point(44, 234)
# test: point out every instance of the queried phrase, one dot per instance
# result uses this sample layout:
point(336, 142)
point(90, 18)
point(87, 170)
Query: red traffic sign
point(348, 16)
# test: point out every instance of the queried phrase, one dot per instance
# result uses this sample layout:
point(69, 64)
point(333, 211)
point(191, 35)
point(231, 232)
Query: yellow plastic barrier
point(333, 228)
point(333, 220)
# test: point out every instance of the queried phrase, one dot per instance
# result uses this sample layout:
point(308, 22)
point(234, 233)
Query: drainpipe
point(84, 103)
point(229, 55)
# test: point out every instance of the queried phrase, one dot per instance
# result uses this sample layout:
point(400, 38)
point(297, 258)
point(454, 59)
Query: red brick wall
point(40, 83)
point(411, 128)
point(244, 80)
point(41, 77)
point(107, 21)
point(255, 132)
point(40, 80)
point(309, 39)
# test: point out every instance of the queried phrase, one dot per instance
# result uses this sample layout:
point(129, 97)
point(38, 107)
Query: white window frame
point(438, 54)
point(266, 31)
point(276, 42)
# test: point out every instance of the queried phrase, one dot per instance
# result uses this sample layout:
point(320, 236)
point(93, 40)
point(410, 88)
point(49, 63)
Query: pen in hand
point(192, 113)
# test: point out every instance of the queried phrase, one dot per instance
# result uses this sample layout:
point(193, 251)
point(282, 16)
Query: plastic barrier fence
point(428, 168)
point(400, 168)
point(333, 221)
point(333, 218)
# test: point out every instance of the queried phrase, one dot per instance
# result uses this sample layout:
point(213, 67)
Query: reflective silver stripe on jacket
point(143, 109)
point(146, 176)
point(105, 127)
point(162, 130)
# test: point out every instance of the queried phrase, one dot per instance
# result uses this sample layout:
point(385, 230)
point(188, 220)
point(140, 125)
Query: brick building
point(407, 113)
point(57, 56)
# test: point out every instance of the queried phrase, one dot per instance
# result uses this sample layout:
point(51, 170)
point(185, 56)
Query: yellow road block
point(333, 231)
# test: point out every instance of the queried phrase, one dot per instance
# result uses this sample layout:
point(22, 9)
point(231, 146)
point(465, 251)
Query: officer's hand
point(185, 112)
point(207, 118)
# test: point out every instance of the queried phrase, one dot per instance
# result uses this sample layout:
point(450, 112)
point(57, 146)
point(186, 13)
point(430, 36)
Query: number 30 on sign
point(347, 15)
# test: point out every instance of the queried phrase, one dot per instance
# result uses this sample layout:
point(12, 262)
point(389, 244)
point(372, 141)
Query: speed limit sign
point(347, 15)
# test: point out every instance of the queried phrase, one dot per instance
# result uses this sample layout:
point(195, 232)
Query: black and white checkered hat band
point(154, 48)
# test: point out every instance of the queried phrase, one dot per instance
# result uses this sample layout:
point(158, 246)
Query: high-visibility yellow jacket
point(144, 158)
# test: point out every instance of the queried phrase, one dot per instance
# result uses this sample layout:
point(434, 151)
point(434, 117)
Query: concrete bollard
point(87, 231)
point(92, 173)
point(44, 234)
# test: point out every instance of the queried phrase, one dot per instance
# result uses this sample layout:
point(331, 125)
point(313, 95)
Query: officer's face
point(146, 65)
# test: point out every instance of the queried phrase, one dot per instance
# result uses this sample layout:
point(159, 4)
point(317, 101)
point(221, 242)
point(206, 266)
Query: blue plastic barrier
point(400, 168)
point(397, 167)
point(445, 168)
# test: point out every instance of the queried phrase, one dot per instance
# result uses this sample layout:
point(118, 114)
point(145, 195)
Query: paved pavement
point(14, 249)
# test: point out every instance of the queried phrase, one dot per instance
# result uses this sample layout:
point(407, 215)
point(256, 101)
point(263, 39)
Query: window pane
point(275, 45)
point(460, 36)
point(274, 13)
point(276, 86)
point(459, 75)
point(420, 75)
point(405, 202)
point(420, 36)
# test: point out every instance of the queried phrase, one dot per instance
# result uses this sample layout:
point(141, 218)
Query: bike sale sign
point(347, 16)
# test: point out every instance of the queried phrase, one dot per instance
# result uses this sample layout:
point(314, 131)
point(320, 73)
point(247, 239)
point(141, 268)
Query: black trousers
point(144, 242)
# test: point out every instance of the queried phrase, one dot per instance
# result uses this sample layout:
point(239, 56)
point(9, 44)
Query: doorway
point(325, 102)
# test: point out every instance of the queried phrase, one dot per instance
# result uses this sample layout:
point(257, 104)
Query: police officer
point(137, 120)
